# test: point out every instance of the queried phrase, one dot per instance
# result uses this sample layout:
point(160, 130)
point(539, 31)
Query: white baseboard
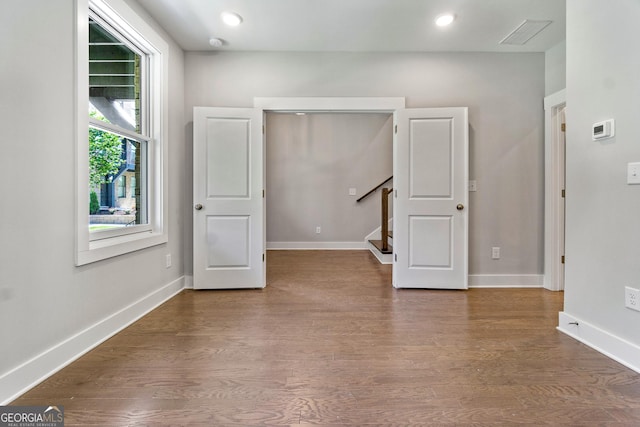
point(506, 280)
point(315, 245)
point(32, 372)
point(188, 282)
point(618, 349)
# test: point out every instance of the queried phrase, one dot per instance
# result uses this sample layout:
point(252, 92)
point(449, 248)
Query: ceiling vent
point(525, 32)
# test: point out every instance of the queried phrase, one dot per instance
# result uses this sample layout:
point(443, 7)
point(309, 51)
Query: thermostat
point(603, 130)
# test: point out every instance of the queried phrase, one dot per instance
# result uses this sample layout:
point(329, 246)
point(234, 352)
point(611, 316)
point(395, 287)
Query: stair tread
point(378, 246)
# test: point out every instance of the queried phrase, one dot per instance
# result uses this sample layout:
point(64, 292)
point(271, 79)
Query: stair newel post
point(384, 229)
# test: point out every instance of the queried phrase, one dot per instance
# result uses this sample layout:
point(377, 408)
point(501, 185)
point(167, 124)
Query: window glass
point(122, 186)
point(114, 78)
point(116, 117)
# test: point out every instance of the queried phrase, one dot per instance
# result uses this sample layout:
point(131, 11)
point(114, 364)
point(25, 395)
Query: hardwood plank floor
point(330, 342)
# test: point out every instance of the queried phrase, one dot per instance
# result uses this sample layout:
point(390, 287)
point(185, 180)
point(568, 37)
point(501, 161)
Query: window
point(134, 189)
point(121, 78)
point(122, 187)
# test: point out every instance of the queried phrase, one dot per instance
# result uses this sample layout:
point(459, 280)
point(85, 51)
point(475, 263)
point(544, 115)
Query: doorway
point(318, 165)
point(431, 200)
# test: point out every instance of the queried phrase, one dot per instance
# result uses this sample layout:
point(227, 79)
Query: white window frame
point(119, 14)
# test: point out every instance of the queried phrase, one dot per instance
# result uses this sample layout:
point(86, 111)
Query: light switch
point(633, 173)
point(473, 185)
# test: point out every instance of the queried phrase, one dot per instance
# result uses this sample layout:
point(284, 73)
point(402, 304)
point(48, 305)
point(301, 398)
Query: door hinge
point(395, 193)
point(262, 257)
point(263, 131)
point(563, 194)
point(562, 259)
point(395, 129)
point(563, 127)
point(263, 194)
point(395, 257)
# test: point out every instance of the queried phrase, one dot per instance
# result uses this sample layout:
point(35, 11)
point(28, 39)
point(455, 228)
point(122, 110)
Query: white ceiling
point(358, 25)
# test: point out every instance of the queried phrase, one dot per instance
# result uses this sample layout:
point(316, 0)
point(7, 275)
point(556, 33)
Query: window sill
point(114, 246)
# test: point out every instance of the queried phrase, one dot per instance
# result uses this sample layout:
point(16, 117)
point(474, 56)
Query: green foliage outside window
point(105, 155)
point(94, 205)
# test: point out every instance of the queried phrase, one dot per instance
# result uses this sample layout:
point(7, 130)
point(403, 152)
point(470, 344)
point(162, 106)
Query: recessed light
point(445, 19)
point(232, 19)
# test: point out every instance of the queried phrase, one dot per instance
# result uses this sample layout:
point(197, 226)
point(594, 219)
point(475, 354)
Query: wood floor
point(329, 342)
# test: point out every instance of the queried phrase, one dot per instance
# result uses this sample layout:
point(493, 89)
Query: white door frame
point(554, 165)
point(330, 104)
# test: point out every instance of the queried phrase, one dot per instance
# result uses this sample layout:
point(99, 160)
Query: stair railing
point(374, 189)
point(384, 228)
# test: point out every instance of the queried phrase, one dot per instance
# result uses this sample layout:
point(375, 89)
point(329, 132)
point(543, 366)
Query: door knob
point(460, 206)
point(198, 206)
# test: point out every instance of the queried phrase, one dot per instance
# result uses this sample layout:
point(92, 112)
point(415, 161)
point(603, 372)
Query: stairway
point(374, 244)
point(374, 241)
point(379, 245)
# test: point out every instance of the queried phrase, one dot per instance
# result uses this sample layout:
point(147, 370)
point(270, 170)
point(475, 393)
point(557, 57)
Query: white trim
point(188, 281)
point(618, 349)
point(333, 104)
point(315, 245)
point(377, 235)
point(382, 258)
point(32, 372)
point(135, 27)
point(117, 130)
point(505, 280)
point(554, 168)
point(555, 99)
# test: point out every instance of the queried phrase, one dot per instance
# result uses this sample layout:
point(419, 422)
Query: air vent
point(525, 32)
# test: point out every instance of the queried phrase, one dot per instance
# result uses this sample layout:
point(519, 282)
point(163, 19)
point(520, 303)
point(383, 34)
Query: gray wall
point(504, 94)
point(312, 161)
point(555, 68)
point(44, 298)
point(603, 82)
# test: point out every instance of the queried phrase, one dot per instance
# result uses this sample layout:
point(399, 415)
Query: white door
point(228, 197)
point(562, 152)
point(430, 237)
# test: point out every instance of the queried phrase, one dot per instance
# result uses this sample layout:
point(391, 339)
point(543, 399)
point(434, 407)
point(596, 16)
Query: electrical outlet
point(352, 192)
point(632, 298)
point(168, 260)
point(318, 230)
point(495, 252)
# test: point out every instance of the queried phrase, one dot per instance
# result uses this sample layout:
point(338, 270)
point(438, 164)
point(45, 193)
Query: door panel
point(434, 252)
point(228, 157)
point(229, 240)
point(430, 205)
point(228, 185)
point(430, 170)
